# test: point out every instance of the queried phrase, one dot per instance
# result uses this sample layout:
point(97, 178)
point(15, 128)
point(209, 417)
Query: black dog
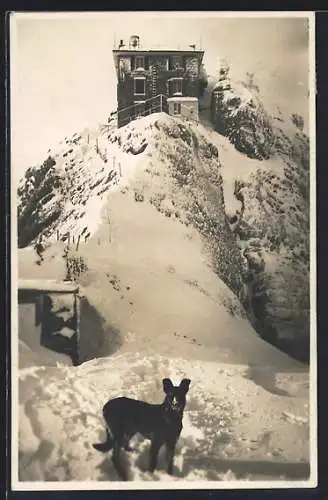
point(161, 423)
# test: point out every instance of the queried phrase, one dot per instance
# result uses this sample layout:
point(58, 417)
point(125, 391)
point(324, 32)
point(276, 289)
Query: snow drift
point(227, 416)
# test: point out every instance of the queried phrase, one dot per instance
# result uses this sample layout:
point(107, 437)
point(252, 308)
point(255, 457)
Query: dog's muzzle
point(175, 407)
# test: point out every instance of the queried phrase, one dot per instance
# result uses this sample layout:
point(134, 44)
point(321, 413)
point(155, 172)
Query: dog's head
point(175, 400)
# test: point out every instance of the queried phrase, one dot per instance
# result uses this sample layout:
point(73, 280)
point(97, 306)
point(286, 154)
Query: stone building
point(157, 79)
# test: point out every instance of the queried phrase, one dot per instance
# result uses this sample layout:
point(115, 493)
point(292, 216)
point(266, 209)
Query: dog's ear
point(167, 385)
point(184, 384)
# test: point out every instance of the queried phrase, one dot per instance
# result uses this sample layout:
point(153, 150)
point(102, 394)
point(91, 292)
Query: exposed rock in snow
point(68, 187)
point(274, 209)
point(239, 115)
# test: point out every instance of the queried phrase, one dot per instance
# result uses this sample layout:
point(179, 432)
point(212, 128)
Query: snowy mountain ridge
point(252, 209)
point(195, 241)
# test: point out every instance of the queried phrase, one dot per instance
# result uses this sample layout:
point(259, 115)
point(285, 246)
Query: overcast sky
point(63, 79)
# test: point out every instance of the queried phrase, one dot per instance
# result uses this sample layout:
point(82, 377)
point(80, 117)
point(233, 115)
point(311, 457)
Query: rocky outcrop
point(239, 115)
point(273, 227)
point(38, 208)
point(54, 197)
point(273, 232)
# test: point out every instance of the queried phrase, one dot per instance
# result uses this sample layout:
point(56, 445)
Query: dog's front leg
point(154, 449)
point(116, 461)
point(170, 450)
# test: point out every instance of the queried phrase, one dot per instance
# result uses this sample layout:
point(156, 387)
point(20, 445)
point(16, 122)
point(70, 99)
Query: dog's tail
point(107, 445)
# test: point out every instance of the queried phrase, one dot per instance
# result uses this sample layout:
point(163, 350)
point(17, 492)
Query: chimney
point(121, 44)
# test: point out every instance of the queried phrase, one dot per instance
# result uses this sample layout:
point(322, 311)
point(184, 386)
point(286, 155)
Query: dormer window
point(139, 62)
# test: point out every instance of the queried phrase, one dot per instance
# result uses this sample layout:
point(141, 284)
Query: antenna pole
point(114, 40)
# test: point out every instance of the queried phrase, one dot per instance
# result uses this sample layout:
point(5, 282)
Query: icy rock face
point(276, 212)
point(273, 227)
point(58, 195)
point(38, 207)
point(273, 230)
point(239, 115)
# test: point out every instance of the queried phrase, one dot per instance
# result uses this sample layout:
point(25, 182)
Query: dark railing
point(155, 104)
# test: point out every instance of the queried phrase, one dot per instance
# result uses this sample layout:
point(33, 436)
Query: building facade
point(147, 78)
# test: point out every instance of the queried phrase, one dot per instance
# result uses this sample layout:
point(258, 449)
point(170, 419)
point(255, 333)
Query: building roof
point(156, 47)
point(162, 49)
point(158, 51)
point(47, 286)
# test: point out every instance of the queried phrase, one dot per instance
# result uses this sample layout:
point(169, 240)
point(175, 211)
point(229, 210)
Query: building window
point(176, 108)
point(139, 86)
point(176, 62)
point(160, 62)
point(140, 62)
point(176, 86)
point(124, 66)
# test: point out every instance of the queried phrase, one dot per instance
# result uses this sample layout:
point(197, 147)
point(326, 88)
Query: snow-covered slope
point(183, 238)
point(161, 246)
point(234, 428)
point(251, 214)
